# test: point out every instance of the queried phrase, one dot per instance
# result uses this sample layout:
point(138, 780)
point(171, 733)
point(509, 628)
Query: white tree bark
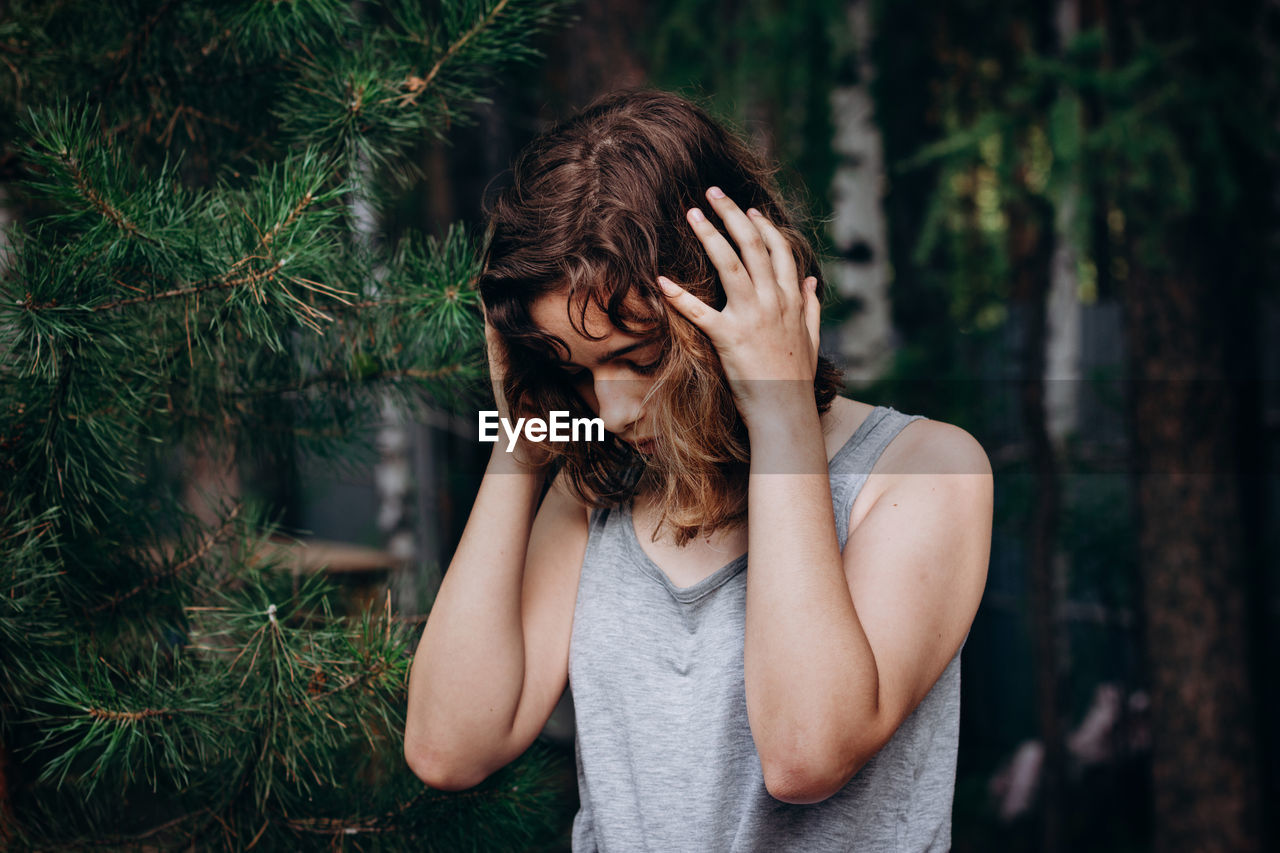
point(1063, 342)
point(393, 472)
point(858, 226)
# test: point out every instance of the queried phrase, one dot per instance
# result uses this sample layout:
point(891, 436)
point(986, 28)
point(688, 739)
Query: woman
point(641, 268)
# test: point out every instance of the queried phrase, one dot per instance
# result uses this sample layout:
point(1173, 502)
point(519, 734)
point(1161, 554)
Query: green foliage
point(195, 278)
point(765, 66)
point(441, 309)
point(1162, 137)
point(1147, 146)
point(1121, 146)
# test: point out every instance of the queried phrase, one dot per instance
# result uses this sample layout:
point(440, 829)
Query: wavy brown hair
point(596, 210)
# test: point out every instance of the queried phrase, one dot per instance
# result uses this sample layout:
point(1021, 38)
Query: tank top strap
point(598, 518)
point(853, 463)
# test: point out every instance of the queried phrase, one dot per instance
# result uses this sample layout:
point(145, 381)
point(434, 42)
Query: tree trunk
point(6, 809)
point(596, 55)
point(1065, 314)
point(859, 230)
point(1187, 488)
point(1186, 322)
point(1031, 252)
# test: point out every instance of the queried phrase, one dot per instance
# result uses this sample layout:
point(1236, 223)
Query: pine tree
point(196, 269)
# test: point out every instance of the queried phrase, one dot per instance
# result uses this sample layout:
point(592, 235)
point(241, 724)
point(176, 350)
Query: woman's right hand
point(529, 455)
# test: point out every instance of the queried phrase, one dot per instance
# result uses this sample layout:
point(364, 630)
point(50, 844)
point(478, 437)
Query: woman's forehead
point(561, 314)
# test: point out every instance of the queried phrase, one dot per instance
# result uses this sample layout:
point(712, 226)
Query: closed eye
point(576, 374)
point(647, 369)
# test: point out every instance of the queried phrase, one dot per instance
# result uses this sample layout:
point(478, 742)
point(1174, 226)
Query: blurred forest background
point(1052, 223)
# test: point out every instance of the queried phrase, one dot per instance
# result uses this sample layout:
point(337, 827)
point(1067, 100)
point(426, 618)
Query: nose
point(617, 402)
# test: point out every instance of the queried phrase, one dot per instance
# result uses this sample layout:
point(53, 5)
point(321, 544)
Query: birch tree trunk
point(859, 228)
point(1031, 238)
point(1063, 344)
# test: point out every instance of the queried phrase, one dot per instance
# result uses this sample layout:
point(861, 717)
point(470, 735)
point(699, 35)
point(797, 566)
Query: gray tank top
point(665, 757)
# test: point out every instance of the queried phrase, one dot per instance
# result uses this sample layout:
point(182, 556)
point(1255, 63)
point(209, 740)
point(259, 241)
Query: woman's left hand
point(767, 334)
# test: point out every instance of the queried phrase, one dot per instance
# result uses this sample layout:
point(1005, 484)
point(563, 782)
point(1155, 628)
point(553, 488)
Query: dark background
point(1070, 251)
point(1052, 223)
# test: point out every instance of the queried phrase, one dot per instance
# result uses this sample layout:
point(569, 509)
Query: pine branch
point(302, 204)
point(258, 713)
point(458, 45)
point(251, 279)
point(166, 136)
point(138, 39)
point(108, 715)
point(176, 568)
point(344, 378)
point(387, 821)
point(108, 212)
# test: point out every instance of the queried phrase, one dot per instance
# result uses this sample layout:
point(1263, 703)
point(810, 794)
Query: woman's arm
point(839, 649)
point(493, 658)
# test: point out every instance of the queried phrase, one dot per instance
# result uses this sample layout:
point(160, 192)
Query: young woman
point(756, 589)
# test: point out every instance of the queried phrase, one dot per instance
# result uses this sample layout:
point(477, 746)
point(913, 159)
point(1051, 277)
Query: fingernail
point(751, 211)
point(695, 215)
point(667, 285)
point(715, 192)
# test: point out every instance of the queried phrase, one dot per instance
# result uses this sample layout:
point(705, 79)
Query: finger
point(751, 246)
point(691, 307)
point(733, 273)
point(813, 312)
point(782, 258)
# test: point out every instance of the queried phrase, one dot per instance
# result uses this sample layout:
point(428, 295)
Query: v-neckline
point(680, 593)
point(691, 593)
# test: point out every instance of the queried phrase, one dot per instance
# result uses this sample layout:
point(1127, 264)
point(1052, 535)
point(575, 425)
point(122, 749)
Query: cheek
point(586, 390)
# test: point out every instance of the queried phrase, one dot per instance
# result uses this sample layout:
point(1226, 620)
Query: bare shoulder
point(936, 457)
point(945, 461)
point(561, 494)
point(934, 447)
point(557, 545)
point(562, 514)
point(924, 446)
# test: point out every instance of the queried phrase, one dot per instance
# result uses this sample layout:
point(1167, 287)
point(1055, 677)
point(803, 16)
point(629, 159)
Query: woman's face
point(613, 374)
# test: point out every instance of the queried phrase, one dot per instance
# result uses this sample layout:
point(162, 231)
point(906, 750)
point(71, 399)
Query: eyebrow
point(617, 353)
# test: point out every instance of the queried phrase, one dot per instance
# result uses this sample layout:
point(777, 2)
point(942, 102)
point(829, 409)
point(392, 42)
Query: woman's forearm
point(811, 678)
point(467, 675)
